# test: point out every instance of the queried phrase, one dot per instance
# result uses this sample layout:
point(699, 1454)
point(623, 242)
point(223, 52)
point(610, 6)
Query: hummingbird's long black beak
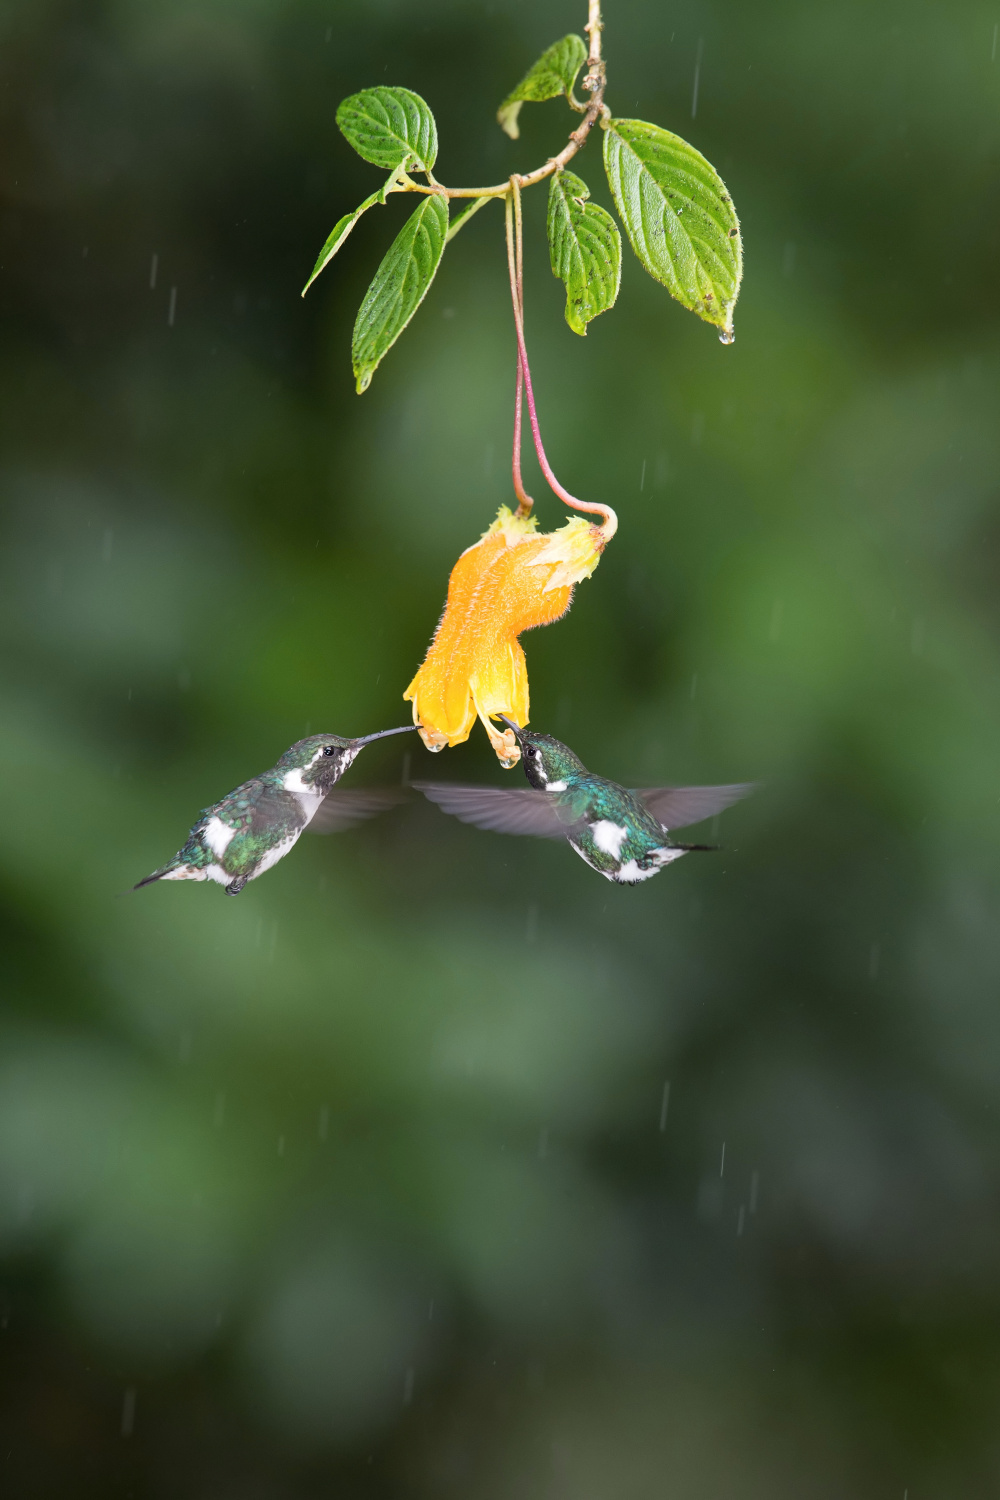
point(366, 739)
point(511, 724)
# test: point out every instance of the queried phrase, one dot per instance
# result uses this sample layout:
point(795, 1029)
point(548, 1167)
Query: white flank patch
point(185, 872)
point(273, 855)
point(218, 874)
point(609, 837)
point(555, 786)
point(218, 836)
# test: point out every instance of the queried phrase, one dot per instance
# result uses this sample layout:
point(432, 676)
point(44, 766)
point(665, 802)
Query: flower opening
point(512, 579)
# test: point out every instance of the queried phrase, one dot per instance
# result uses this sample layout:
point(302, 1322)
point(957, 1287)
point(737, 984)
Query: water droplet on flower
point(726, 335)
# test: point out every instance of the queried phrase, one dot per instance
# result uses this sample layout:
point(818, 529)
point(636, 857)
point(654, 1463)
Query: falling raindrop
point(154, 267)
point(172, 311)
point(664, 1106)
point(128, 1412)
point(697, 78)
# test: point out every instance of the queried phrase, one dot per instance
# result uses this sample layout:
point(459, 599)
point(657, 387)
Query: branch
point(594, 83)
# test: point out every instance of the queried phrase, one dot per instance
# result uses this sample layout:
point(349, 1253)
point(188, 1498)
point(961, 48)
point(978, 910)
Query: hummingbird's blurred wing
point(340, 809)
point(498, 809)
point(677, 806)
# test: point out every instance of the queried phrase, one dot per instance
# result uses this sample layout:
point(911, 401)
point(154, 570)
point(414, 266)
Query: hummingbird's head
point(546, 761)
point(319, 761)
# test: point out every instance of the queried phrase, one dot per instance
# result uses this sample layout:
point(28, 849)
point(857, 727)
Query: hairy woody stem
point(594, 82)
point(610, 525)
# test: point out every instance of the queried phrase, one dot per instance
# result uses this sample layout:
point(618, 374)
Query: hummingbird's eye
point(329, 749)
point(530, 751)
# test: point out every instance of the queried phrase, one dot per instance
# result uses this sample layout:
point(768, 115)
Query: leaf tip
point(507, 119)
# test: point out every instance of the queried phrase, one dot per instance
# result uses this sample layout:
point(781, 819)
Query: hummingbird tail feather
point(175, 870)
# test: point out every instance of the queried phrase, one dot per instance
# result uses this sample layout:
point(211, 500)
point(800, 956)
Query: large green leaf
point(679, 217)
point(389, 127)
point(400, 285)
point(585, 248)
point(554, 73)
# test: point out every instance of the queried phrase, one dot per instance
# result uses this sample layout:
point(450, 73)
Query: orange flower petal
point(513, 578)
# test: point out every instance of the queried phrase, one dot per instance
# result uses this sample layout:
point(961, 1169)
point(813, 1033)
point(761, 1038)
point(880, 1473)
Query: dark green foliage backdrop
point(356, 1185)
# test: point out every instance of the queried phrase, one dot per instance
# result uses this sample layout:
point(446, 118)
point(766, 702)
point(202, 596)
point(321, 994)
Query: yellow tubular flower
point(511, 579)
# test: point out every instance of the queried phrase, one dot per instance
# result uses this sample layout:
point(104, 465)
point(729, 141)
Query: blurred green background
point(370, 1183)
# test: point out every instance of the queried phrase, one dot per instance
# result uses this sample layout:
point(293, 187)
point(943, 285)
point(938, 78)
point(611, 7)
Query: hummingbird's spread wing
point(340, 809)
point(499, 809)
point(677, 806)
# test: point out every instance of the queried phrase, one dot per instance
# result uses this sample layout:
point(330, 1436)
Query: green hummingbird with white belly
point(622, 834)
point(258, 823)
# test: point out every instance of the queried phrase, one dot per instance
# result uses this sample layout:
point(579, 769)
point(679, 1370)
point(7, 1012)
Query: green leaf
point(338, 235)
point(554, 73)
point(343, 226)
point(679, 217)
point(390, 127)
point(401, 284)
point(585, 248)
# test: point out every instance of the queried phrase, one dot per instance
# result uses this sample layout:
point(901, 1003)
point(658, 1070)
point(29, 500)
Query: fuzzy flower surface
point(512, 579)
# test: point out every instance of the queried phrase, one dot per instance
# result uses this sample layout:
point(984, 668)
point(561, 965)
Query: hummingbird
point(256, 825)
point(620, 833)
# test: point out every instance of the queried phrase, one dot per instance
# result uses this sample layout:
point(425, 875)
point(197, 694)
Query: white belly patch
point(273, 855)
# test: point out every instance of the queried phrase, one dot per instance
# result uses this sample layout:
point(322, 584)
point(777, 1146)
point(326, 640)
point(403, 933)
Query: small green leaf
point(343, 226)
point(338, 235)
point(390, 127)
point(679, 217)
point(554, 73)
point(400, 285)
point(585, 248)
